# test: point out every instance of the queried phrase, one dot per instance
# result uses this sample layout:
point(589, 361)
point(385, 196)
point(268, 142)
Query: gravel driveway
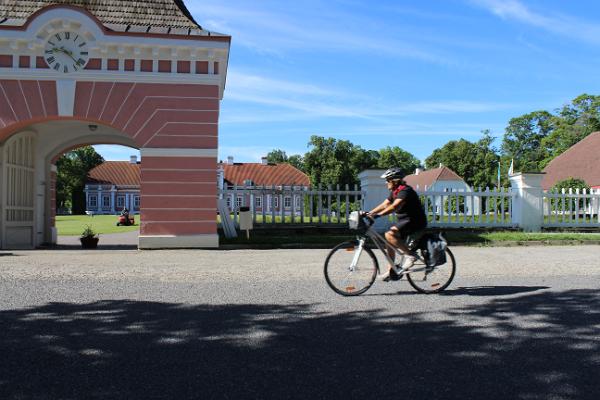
point(517, 323)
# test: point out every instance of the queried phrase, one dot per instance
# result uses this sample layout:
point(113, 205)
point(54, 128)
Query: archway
point(159, 93)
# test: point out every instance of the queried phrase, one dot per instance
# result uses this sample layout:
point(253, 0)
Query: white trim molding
point(65, 92)
point(209, 241)
point(161, 152)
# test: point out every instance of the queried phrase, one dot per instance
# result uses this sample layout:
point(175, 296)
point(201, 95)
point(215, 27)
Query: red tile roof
point(119, 173)
point(429, 177)
point(265, 175)
point(582, 160)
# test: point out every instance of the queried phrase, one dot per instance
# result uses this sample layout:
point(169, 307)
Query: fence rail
point(276, 206)
point(460, 208)
point(271, 206)
point(571, 208)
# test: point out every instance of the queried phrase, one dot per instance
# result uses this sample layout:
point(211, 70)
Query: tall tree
point(279, 156)
point(573, 123)
point(523, 140)
point(331, 162)
point(396, 157)
point(73, 168)
point(476, 163)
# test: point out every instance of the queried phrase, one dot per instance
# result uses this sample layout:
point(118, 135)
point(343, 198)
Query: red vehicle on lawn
point(125, 219)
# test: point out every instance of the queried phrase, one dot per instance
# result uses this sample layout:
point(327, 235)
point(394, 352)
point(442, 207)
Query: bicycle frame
point(383, 245)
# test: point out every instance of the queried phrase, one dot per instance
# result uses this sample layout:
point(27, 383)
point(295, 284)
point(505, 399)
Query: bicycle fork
point(357, 253)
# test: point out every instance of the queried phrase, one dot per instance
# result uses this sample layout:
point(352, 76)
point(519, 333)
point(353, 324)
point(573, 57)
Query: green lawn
point(73, 225)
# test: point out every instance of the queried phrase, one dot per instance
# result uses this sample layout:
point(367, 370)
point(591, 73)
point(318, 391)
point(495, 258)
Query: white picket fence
point(272, 206)
point(470, 209)
point(572, 208)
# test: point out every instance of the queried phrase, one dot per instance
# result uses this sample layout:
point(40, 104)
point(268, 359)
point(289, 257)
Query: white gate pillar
point(528, 210)
point(375, 191)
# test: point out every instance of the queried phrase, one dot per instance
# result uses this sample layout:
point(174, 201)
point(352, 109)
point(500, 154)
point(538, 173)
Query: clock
point(66, 51)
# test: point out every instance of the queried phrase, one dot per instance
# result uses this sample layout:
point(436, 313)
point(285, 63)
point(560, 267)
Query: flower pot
point(89, 242)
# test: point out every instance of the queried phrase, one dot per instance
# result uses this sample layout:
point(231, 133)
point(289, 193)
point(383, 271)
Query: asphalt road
point(517, 323)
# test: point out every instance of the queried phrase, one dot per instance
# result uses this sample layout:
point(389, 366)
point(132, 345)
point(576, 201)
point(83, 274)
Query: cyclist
point(411, 219)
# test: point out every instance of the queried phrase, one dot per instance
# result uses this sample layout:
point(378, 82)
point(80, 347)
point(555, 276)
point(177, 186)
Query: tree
point(476, 163)
point(331, 162)
point(523, 140)
point(573, 123)
point(279, 156)
point(72, 170)
point(396, 157)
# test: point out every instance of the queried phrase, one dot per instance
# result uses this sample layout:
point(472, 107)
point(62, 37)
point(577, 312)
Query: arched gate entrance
point(158, 92)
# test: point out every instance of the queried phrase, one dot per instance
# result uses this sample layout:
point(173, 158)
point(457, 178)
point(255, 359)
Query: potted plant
point(89, 238)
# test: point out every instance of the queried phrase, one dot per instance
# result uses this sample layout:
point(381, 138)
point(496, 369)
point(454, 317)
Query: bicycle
point(349, 273)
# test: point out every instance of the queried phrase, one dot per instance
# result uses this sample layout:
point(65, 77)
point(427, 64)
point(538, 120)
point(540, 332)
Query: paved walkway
point(517, 323)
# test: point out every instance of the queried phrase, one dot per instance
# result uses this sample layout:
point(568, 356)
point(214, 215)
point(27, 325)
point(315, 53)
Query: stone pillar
point(180, 213)
point(527, 209)
point(375, 191)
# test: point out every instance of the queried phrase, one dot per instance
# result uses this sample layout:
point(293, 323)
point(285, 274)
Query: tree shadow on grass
point(536, 346)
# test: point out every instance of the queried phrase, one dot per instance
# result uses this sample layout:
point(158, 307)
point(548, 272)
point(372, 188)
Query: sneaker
point(409, 261)
point(391, 275)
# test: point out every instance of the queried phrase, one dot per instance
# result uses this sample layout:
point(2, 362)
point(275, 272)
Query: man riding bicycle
point(411, 219)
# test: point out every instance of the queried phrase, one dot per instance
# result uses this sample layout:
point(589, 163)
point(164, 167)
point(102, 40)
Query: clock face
point(66, 52)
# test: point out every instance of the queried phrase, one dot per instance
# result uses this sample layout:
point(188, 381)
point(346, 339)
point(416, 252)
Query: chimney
point(418, 171)
point(441, 165)
point(230, 160)
point(264, 161)
point(133, 159)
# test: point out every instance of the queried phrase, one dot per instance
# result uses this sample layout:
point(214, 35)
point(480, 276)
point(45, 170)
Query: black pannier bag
point(433, 248)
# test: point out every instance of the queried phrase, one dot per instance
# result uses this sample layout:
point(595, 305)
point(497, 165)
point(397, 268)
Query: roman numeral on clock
point(57, 36)
point(57, 66)
point(67, 35)
point(50, 60)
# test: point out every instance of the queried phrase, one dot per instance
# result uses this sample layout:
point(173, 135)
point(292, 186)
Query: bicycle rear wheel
point(344, 279)
point(435, 279)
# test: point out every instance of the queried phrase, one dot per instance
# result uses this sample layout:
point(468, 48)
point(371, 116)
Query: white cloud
point(299, 28)
point(557, 23)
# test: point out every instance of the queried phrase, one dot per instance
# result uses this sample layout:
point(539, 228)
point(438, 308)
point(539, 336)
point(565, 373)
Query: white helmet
point(393, 174)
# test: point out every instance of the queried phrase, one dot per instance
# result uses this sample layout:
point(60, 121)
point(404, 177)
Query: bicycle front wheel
point(347, 279)
point(435, 279)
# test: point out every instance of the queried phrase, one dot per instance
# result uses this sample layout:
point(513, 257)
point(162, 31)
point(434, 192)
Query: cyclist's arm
point(388, 208)
point(380, 207)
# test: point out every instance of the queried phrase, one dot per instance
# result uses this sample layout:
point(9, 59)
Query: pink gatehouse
point(142, 74)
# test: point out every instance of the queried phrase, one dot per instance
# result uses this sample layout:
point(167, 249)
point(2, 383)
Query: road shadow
point(491, 290)
point(536, 346)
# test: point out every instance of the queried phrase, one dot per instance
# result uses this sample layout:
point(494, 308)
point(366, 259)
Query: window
point(229, 202)
point(258, 202)
point(136, 202)
point(239, 201)
point(298, 202)
point(105, 201)
point(287, 202)
point(120, 202)
point(93, 201)
point(274, 202)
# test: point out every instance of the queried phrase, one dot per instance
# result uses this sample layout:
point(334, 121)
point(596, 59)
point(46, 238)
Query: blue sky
point(393, 73)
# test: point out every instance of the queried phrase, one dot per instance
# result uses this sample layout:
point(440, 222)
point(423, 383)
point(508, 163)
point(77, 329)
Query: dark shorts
point(407, 231)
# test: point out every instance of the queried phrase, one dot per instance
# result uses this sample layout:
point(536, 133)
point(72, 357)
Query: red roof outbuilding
point(264, 174)
point(118, 173)
point(582, 160)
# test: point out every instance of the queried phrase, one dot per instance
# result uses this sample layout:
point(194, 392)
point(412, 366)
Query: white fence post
point(375, 190)
point(528, 207)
